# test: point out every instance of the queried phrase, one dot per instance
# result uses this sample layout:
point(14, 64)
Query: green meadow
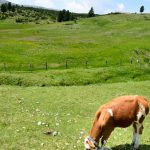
point(103, 48)
point(111, 38)
point(53, 78)
point(28, 112)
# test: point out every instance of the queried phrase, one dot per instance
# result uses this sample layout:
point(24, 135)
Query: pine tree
point(91, 12)
point(3, 8)
point(72, 17)
point(13, 9)
point(9, 6)
point(67, 15)
point(142, 9)
point(64, 15)
point(60, 17)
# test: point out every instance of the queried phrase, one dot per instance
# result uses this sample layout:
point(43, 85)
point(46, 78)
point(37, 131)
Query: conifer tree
point(142, 9)
point(9, 6)
point(3, 8)
point(67, 16)
point(60, 17)
point(91, 12)
point(13, 8)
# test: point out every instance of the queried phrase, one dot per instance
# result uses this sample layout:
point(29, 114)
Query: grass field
point(93, 50)
point(28, 112)
point(95, 40)
point(94, 54)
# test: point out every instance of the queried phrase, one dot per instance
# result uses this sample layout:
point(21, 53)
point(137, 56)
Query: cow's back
point(123, 110)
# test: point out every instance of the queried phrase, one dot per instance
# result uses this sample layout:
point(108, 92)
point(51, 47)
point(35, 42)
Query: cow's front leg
point(105, 135)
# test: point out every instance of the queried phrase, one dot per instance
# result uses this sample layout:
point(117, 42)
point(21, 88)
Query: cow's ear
point(91, 144)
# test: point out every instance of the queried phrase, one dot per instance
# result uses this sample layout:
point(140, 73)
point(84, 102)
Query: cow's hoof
point(132, 144)
point(106, 148)
point(135, 148)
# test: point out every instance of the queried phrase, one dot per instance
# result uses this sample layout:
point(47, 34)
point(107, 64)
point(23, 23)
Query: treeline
point(65, 16)
point(25, 14)
point(7, 7)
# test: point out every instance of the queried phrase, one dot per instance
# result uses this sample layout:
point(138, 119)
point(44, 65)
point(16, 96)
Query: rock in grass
point(39, 123)
point(48, 132)
point(43, 123)
point(37, 110)
point(57, 124)
point(55, 133)
point(17, 130)
point(81, 132)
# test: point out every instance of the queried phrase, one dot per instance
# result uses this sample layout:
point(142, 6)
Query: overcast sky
point(83, 6)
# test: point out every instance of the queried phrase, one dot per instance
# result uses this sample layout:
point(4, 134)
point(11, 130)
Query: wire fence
point(68, 65)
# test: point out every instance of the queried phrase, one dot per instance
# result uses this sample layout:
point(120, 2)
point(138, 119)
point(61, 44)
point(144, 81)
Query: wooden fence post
point(30, 67)
point(5, 67)
point(106, 62)
point(46, 65)
point(66, 64)
point(86, 64)
point(131, 61)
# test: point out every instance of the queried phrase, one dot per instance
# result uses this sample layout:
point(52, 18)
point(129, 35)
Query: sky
point(83, 6)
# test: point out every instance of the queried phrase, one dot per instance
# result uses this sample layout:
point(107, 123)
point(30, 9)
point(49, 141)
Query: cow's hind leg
point(134, 135)
point(137, 130)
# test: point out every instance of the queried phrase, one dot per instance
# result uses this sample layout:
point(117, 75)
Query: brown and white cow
point(120, 112)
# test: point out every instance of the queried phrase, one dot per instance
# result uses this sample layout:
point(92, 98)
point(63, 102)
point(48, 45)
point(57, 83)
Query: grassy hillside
point(96, 40)
point(32, 111)
point(101, 42)
point(31, 14)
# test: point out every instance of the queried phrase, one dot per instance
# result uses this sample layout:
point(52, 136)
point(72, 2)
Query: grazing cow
point(120, 112)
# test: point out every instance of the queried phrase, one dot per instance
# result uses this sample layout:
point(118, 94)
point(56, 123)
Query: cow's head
point(88, 144)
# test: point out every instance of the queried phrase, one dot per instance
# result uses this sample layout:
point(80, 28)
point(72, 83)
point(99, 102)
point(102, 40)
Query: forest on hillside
point(24, 14)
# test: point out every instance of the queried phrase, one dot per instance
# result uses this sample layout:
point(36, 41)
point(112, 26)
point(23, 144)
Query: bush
point(21, 20)
point(3, 17)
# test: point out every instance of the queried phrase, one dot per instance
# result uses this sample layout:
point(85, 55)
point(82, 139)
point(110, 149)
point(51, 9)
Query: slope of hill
point(94, 39)
point(27, 14)
point(115, 45)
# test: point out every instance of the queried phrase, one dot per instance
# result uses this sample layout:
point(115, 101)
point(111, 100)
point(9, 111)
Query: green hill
point(31, 14)
point(102, 48)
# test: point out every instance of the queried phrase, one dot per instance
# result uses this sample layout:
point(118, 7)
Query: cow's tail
point(147, 110)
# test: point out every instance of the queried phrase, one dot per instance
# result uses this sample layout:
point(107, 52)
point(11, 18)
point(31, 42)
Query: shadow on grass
point(129, 147)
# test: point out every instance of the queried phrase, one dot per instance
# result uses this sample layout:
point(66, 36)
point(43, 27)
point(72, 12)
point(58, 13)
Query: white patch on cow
point(142, 109)
point(139, 115)
point(86, 145)
point(141, 112)
point(110, 112)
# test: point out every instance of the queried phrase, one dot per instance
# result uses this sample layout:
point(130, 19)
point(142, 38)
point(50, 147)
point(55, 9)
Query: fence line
point(66, 65)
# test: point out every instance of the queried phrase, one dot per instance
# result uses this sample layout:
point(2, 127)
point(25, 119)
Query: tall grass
point(76, 76)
